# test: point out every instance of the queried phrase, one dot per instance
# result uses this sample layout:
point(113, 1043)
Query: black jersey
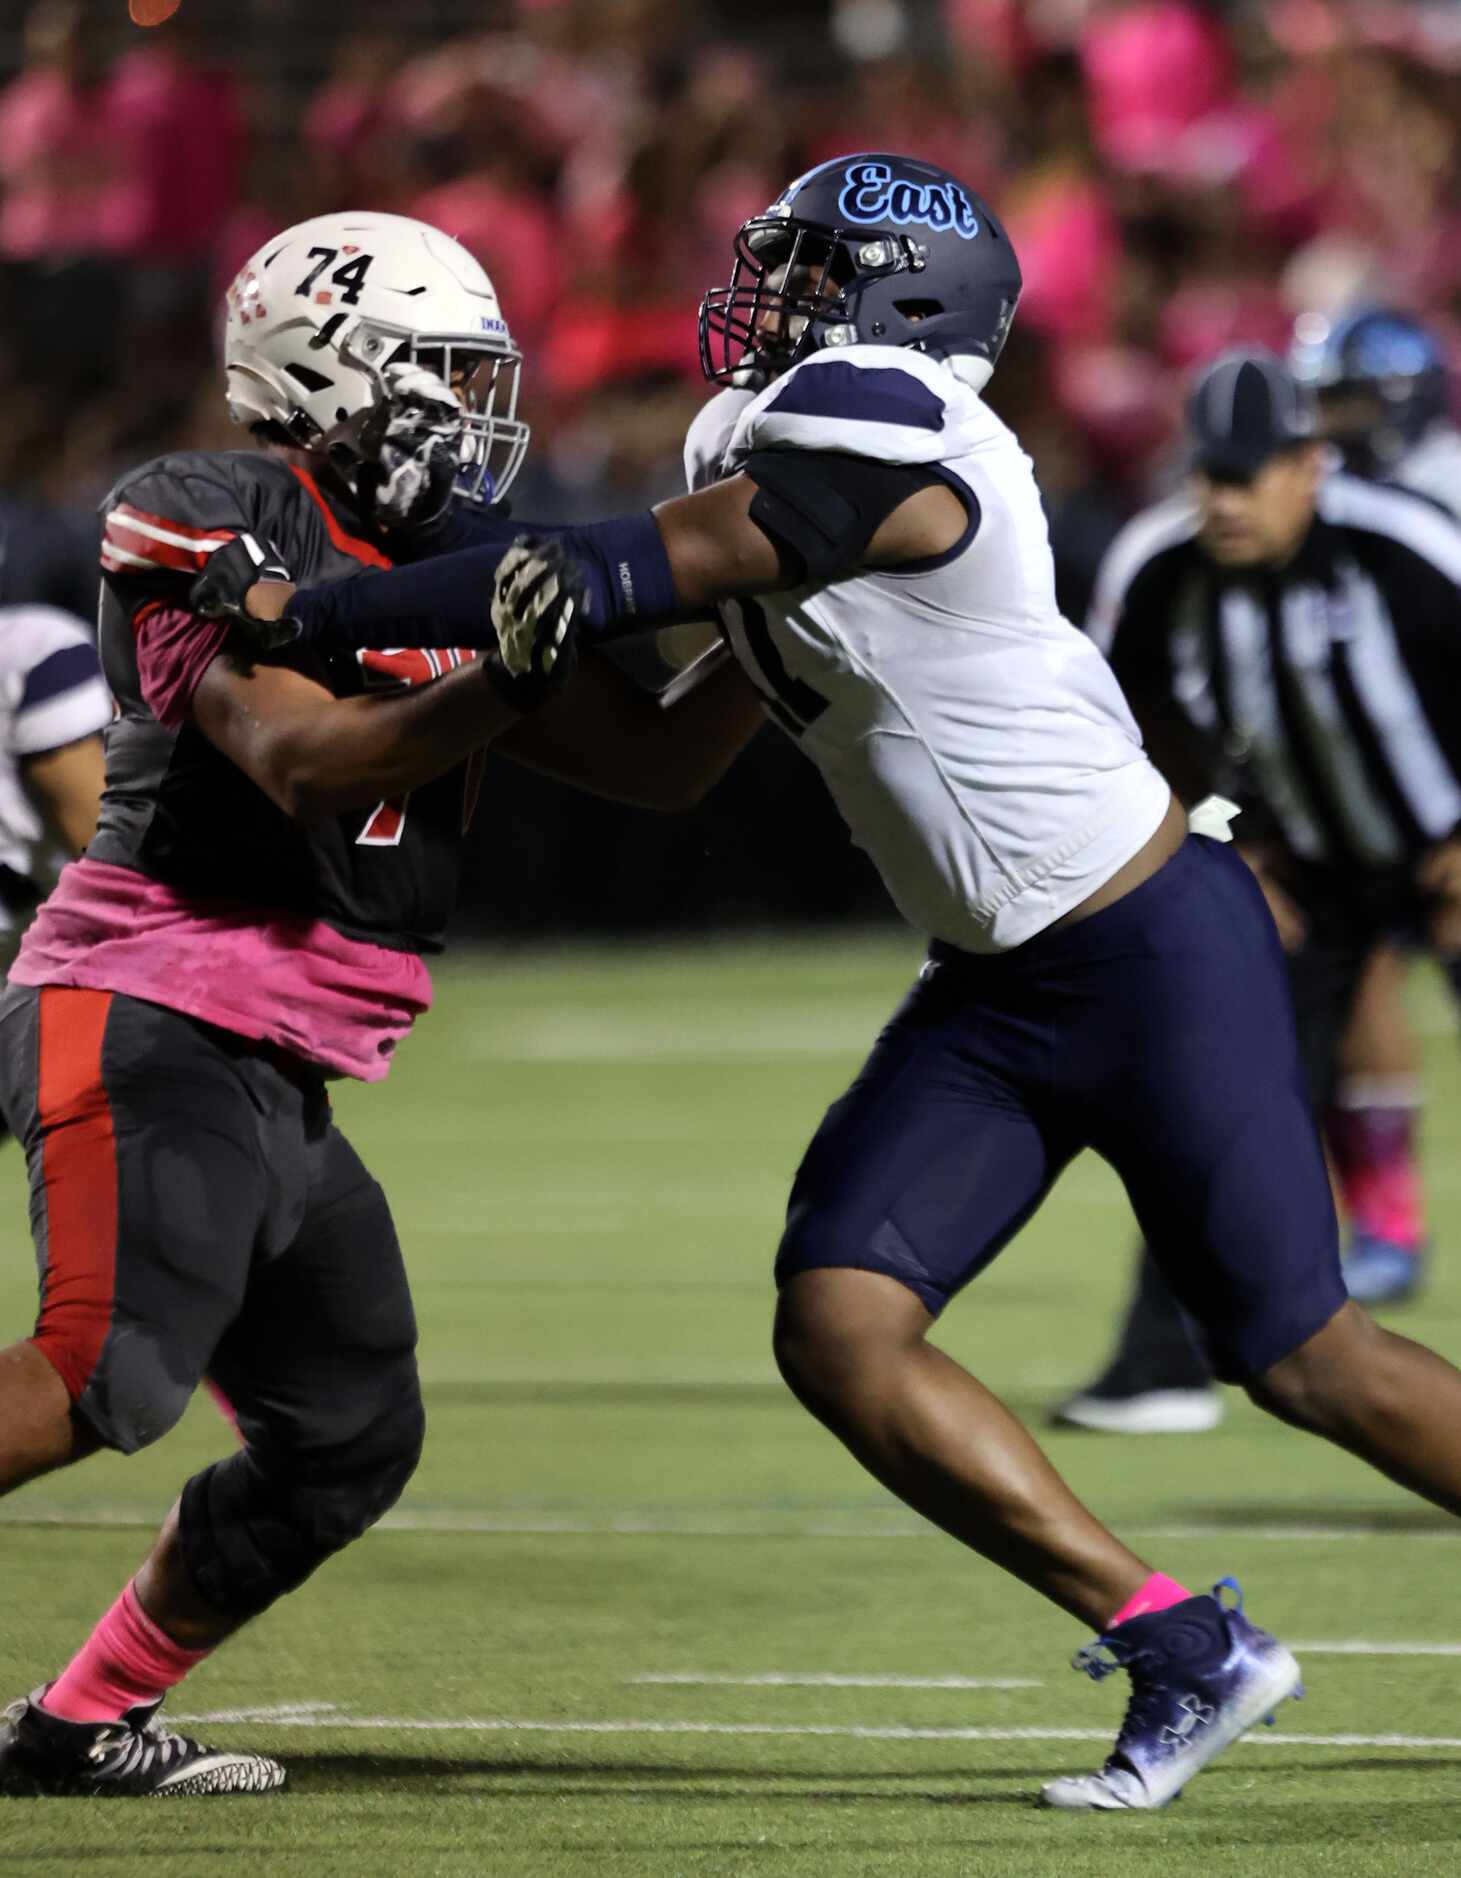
point(175, 808)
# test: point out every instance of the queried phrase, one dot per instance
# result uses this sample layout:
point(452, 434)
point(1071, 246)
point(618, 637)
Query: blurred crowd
point(1178, 175)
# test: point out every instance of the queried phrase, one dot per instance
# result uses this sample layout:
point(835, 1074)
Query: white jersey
point(51, 694)
point(976, 743)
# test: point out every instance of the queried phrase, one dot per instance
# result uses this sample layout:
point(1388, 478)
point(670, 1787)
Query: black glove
point(411, 449)
point(539, 600)
point(221, 590)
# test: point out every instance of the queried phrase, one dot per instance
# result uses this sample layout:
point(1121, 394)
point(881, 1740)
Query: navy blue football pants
point(1158, 1032)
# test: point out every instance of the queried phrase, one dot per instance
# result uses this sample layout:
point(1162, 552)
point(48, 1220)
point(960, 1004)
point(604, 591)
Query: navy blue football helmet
point(1380, 377)
point(865, 250)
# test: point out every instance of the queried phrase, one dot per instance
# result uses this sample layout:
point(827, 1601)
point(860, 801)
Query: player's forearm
point(316, 756)
point(382, 746)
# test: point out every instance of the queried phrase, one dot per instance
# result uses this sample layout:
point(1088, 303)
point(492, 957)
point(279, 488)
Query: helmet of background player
point(1380, 378)
point(315, 317)
point(865, 250)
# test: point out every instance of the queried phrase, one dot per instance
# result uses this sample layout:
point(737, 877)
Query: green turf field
point(558, 1657)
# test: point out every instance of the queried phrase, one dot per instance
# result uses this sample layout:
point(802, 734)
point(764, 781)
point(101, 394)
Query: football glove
point(221, 591)
point(539, 600)
point(411, 448)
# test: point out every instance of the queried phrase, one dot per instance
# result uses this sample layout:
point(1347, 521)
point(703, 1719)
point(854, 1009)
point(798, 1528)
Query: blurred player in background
point(1293, 636)
point(873, 541)
point(279, 845)
point(53, 708)
point(1384, 400)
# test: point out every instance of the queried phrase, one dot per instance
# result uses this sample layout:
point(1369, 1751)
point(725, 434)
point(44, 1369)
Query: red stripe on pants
point(79, 1174)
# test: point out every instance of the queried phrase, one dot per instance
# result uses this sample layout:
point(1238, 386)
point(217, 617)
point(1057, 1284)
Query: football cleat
point(1377, 1271)
point(1201, 1675)
point(138, 1757)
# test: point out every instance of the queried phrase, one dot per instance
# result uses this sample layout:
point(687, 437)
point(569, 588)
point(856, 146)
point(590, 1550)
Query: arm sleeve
point(447, 601)
point(443, 601)
point(462, 525)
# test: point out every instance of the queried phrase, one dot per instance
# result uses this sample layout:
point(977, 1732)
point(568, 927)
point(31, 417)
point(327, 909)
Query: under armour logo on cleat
point(1195, 1714)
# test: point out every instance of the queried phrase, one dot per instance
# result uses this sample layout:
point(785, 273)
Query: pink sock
point(1155, 1595)
point(125, 1661)
point(1371, 1132)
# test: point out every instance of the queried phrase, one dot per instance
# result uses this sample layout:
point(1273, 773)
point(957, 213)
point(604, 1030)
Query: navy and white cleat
point(138, 1757)
point(1201, 1675)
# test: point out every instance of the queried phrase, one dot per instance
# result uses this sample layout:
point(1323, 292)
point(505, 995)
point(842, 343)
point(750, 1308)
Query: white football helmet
point(315, 317)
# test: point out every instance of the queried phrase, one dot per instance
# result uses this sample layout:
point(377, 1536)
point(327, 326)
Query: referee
point(1291, 638)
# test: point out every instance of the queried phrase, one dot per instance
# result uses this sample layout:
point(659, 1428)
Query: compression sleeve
point(447, 601)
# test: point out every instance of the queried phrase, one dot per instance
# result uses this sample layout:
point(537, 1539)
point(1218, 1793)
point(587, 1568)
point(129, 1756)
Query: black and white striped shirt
point(1329, 689)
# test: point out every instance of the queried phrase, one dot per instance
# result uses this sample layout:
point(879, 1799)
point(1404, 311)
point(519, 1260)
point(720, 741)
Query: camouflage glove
point(539, 599)
point(411, 447)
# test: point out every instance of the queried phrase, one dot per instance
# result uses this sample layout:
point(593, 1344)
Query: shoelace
point(122, 1752)
point(1103, 1658)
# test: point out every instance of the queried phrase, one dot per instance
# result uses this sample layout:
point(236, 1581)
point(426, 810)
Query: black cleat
point(138, 1757)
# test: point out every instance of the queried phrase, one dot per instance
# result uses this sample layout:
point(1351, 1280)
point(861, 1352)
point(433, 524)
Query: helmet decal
point(869, 195)
point(869, 249)
point(317, 317)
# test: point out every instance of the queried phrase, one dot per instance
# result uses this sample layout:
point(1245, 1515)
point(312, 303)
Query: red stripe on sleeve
point(120, 541)
point(79, 1175)
point(127, 511)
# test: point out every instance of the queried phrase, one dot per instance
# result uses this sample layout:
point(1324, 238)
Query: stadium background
point(1178, 175)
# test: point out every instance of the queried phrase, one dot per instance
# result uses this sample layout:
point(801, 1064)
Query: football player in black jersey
point(278, 847)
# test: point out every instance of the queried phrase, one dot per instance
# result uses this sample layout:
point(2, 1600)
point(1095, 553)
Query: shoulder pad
point(169, 516)
point(875, 401)
point(709, 436)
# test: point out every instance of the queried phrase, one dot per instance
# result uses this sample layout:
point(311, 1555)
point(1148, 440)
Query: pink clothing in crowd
point(180, 146)
point(58, 180)
point(282, 979)
point(1152, 70)
point(1069, 244)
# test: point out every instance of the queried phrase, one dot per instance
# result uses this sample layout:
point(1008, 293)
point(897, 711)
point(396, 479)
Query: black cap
point(1244, 408)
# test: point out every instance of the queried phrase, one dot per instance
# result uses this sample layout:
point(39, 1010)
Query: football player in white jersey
point(53, 707)
point(871, 536)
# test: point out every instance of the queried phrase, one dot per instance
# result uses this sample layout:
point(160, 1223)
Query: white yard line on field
point(498, 1724)
point(830, 1679)
point(608, 1525)
point(838, 1679)
point(1355, 1646)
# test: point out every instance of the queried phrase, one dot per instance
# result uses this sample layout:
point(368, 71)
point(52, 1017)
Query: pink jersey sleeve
point(174, 649)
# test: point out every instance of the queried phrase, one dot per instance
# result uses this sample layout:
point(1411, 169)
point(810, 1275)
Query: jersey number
point(349, 276)
point(415, 665)
point(791, 700)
